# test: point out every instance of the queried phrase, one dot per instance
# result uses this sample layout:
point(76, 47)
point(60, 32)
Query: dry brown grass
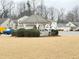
point(65, 47)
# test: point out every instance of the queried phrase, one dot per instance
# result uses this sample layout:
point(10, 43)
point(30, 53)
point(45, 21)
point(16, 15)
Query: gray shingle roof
point(64, 24)
point(76, 23)
point(23, 18)
point(61, 24)
point(35, 19)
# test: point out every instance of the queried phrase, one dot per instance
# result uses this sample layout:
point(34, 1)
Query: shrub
point(54, 32)
point(26, 33)
point(14, 33)
point(32, 33)
point(20, 32)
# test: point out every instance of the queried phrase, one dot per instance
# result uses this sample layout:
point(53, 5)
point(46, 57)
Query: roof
point(61, 24)
point(70, 24)
point(76, 23)
point(64, 24)
point(2, 20)
point(23, 18)
point(35, 19)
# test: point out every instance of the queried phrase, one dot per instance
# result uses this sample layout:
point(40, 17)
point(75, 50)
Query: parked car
point(44, 32)
point(8, 31)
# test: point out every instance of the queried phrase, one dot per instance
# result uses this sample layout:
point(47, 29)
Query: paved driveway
point(69, 33)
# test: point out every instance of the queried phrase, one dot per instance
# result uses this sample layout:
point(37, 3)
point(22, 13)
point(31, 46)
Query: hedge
point(14, 33)
point(26, 33)
point(32, 33)
point(20, 32)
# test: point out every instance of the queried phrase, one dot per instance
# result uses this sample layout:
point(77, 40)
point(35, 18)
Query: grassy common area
point(63, 47)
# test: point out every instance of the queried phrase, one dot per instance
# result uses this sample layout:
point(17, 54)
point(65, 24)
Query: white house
point(34, 20)
point(63, 27)
point(68, 26)
point(72, 25)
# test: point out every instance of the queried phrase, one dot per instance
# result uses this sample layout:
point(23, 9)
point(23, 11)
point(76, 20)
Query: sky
point(65, 4)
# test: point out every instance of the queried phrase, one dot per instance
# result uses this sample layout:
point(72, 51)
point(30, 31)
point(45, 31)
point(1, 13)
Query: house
point(34, 20)
point(77, 25)
point(73, 25)
point(62, 27)
point(7, 23)
point(68, 26)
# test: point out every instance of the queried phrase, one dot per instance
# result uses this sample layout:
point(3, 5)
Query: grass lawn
point(64, 47)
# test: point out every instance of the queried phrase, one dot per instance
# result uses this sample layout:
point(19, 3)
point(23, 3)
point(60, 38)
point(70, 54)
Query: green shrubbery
point(20, 32)
point(26, 33)
point(54, 32)
point(32, 33)
point(14, 33)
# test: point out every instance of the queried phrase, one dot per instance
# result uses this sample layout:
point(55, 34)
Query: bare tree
point(24, 9)
point(34, 6)
point(29, 8)
point(52, 13)
point(73, 15)
point(76, 13)
point(21, 8)
point(45, 13)
point(6, 7)
point(70, 16)
point(40, 8)
point(61, 15)
point(11, 8)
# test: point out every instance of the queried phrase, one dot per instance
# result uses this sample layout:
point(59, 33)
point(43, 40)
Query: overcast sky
point(66, 4)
